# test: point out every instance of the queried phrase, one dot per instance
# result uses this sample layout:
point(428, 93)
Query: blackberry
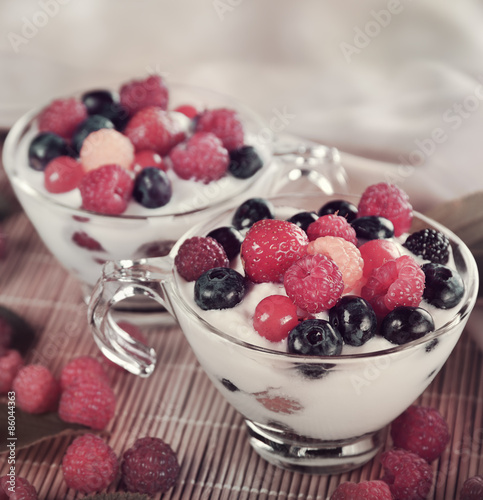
point(429, 244)
point(251, 211)
point(373, 227)
point(444, 287)
point(219, 288)
point(303, 219)
point(244, 162)
point(404, 324)
point(152, 188)
point(229, 238)
point(339, 207)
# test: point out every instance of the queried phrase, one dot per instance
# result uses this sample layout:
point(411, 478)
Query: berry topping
point(472, 489)
point(62, 116)
point(444, 286)
point(314, 337)
point(251, 211)
point(82, 239)
point(106, 190)
point(389, 201)
point(421, 430)
point(365, 490)
point(187, 110)
point(16, 488)
point(244, 162)
point(149, 466)
point(197, 255)
point(339, 207)
point(80, 368)
point(398, 282)
point(45, 147)
point(201, 158)
point(355, 319)
point(152, 188)
point(62, 174)
point(91, 124)
point(377, 252)
point(314, 283)
point(219, 288)
point(229, 238)
point(89, 464)
point(225, 124)
point(274, 317)
point(372, 227)
point(407, 474)
point(429, 244)
point(10, 364)
point(139, 94)
point(270, 247)
point(404, 324)
point(147, 158)
point(303, 219)
point(332, 225)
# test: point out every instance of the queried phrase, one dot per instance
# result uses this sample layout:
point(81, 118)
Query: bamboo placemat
point(179, 404)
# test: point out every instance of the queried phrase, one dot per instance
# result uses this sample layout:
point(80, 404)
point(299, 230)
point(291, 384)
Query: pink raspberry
point(62, 117)
point(365, 490)
point(16, 488)
point(139, 94)
point(88, 401)
point(80, 368)
point(150, 466)
point(202, 158)
point(154, 129)
point(314, 283)
point(472, 489)
point(147, 158)
point(106, 190)
point(62, 174)
point(89, 464)
point(275, 316)
point(389, 201)
point(398, 282)
point(332, 225)
point(421, 430)
point(10, 364)
point(407, 474)
point(225, 124)
point(375, 253)
point(82, 239)
point(345, 254)
point(36, 389)
point(198, 254)
point(187, 110)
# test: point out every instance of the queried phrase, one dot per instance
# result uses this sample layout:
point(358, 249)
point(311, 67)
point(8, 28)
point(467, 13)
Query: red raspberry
point(82, 367)
point(62, 174)
point(201, 158)
point(198, 254)
point(270, 247)
point(89, 402)
point(106, 190)
point(36, 389)
point(389, 201)
point(16, 488)
point(147, 158)
point(187, 110)
point(62, 116)
point(314, 283)
point(89, 464)
point(155, 129)
point(83, 240)
point(274, 317)
point(10, 364)
point(398, 282)
point(408, 475)
point(139, 94)
point(375, 253)
point(149, 466)
point(225, 124)
point(332, 225)
point(422, 431)
point(365, 490)
point(472, 489)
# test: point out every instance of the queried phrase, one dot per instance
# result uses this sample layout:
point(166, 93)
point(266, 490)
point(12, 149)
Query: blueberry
point(244, 162)
point(354, 318)
point(229, 238)
point(251, 211)
point(314, 337)
point(340, 207)
point(444, 287)
point(45, 147)
point(228, 384)
point(219, 288)
point(152, 188)
point(404, 324)
point(96, 101)
point(373, 227)
point(303, 219)
point(90, 124)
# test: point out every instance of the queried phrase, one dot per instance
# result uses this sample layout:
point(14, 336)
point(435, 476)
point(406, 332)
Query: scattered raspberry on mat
point(16, 488)
point(80, 368)
point(332, 225)
point(139, 94)
point(62, 116)
point(62, 174)
point(10, 364)
point(472, 489)
point(225, 124)
point(365, 490)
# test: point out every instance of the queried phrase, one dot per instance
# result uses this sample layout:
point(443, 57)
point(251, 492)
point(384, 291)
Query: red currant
point(275, 316)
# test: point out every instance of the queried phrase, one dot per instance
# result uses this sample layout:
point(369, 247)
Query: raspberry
point(202, 158)
point(344, 254)
point(62, 174)
point(149, 466)
point(225, 124)
point(332, 225)
point(62, 116)
point(278, 404)
point(155, 129)
point(16, 488)
point(89, 402)
point(270, 247)
point(398, 282)
point(389, 201)
point(104, 147)
point(314, 283)
point(407, 474)
point(429, 244)
point(198, 254)
point(82, 367)
point(472, 489)
point(422, 431)
point(89, 464)
point(375, 253)
point(36, 389)
point(365, 490)
point(106, 190)
point(139, 94)
point(274, 317)
point(10, 364)
point(187, 110)
point(83, 240)
point(147, 158)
